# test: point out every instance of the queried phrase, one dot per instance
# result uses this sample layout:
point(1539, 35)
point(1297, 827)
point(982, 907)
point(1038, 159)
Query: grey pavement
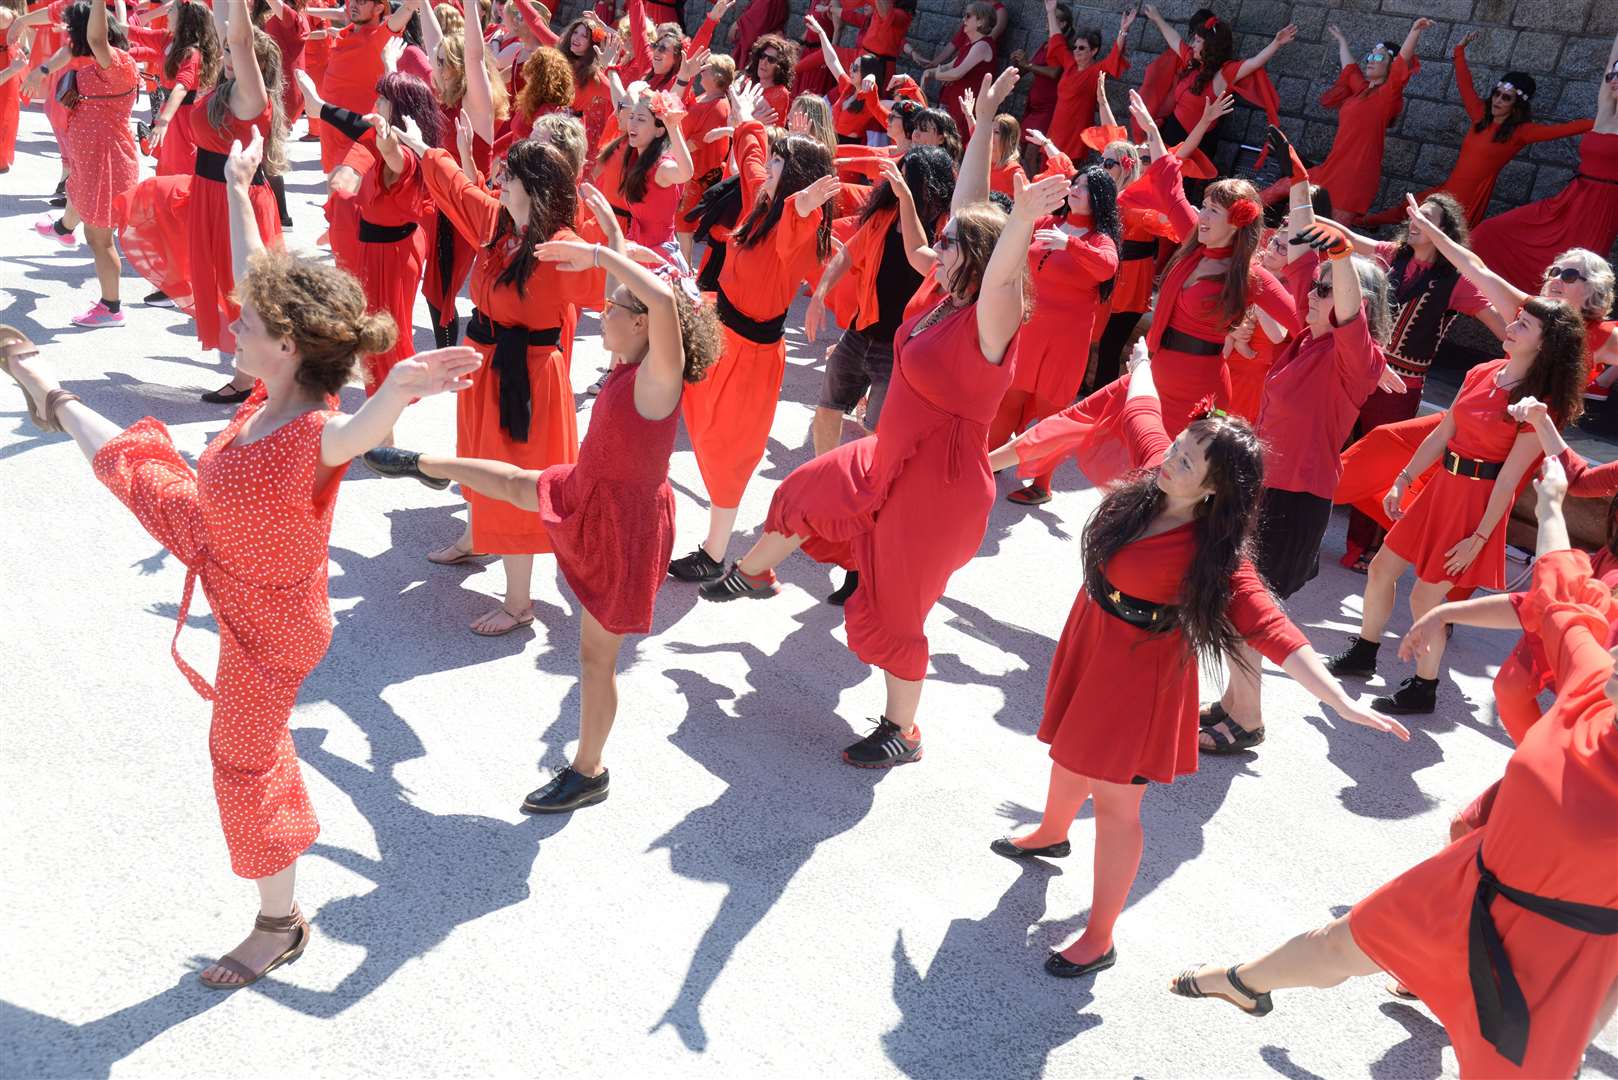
point(743, 903)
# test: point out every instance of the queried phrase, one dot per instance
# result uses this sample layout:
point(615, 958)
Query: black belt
point(1183, 342)
point(372, 233)
point(1133, 610)
point(1138, 249)
point(211, 166)
point(1471, 468)
point(1597, 179)
point(759, 332)
point(510, 363)
point(621, 212)
point(1502, 1009)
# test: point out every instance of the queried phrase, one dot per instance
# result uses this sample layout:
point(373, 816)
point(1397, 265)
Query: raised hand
point(1467, 39)
point(867, 84)
point(243, 163)
point(392, 50)
point(1039, 199)
point(1551, 483)
point(693, 64)
point(1328, 240)
point(994, 92)
point(1139, 113)
point(1338, 34)
point(436, 372)
point(969, 102)
point(410, 136)
point(1530, 410)
point(1282, 148)
point(1127, 21)
point(1050, 240)
point(1286, 34)
point(602, 211)
point(812, 24)
point(745, 99)
point(818, 194)
point(1422, 24)
point(1217, 109)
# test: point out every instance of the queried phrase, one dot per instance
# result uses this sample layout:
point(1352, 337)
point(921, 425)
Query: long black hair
point(547, 177)
point(638, 164)
point(1218, 49)
point(803, 161)
point(1103, 216)
point(1521, 110)
point(77, 18)
point(942, 122)
point(929, 174)
point(1222, 529)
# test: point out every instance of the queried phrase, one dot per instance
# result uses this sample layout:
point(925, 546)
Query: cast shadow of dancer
point(775, 753)
point(35, 1045)
point(995, 959)
point(420, 874)
point(1420, 1055)
point(1022, 685)
point(1384, 774)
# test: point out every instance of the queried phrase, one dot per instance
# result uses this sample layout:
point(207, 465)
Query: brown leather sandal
point(285, 925)
point(14, 345)
point(54, 400)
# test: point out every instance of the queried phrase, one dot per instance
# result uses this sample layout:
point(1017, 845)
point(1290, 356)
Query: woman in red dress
point(1167, 584)
point(652, 164)
point(547, 87)
point(1454, 532)
point(592, 99)
point(520, 408)
point(611, 515)
point(1207, 70)
point(191, 59)
point(13, 62)
point(1072, 264)
point(973, 62)
point(1520, 244)
point(875, 505)
point(252, 523)
point(1039, 109)
point(656, 54)
point(769, 66)
point(354, 64)
point(705, 85)
point(1205, 293)
point(1510, 934)
point(1082, 67)
point(774, 248)
point(758, 18)
point(1500, 128)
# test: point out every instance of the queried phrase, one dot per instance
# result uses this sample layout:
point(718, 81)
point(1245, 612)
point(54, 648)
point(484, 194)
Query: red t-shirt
point(355, 65)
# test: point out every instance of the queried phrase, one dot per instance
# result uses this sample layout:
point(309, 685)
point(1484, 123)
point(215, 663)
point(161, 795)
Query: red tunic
point(1040, 111)
point(352, 69)
point(906, 507)
point(707, 158)
point(208, 227)
point(1121, 701)
point(728, 414)
point(1065, 282)
point(252, 523)
point(97, 146)
point(1553, 832)
point(389, 270)
point(546, 302)
point(1520, 244)
point(611, 516)
point(1449, 507)
point(1076, 92)
point(949, 97)
point(1352, 172)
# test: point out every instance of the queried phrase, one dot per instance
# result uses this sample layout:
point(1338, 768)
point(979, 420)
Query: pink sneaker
point(46, 227)
point(100, 315)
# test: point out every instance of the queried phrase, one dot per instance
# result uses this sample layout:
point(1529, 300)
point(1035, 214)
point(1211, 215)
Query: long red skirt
point(213, 281)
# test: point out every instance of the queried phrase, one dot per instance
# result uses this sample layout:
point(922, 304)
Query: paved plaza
point(744, 903)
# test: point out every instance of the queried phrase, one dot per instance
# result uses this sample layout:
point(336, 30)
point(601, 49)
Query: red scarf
point(1173, 282)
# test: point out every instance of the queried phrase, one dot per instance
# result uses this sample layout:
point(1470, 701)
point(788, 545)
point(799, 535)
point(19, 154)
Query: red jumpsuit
point(1121, 700)
point(1352, 172)
point(252, 523)
point(208, 224)
point(906, 507)
point(546, 303)
point(1552, 833)
point(1076, 92)
point(729, 413)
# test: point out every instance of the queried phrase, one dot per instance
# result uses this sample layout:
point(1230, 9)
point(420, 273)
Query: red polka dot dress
point(97, 143)
point(252, 523)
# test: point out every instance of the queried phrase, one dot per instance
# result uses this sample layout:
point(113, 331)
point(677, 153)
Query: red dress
point(592, 103)
point(252, 523)
point(1553, 832)
point(1039, 113)
point(98, 146)
point(611, 516)
point(208, 225)
point(1520, 244)
point(353, 66)
point(1352, 172)
point(1076, 93)
point(949, 98)
point(906, 507)
point(651, 220)
point(728, 414)
point(1449, 507)
point(449, 254)
point(10, 109)
point(387, 264)
point(1121, 701)
point(707, 158)
point(290, 30)
point(178, 154)
point(546, 302)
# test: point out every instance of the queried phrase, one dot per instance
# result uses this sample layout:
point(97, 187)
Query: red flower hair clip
point(660, 103)
point(905, 89)
point(1204, 409)
point(1243, 212)
point(598, 34)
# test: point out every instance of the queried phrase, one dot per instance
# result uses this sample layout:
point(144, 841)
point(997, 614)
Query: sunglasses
point(1568, 274)
point(945, 242)
point(1321, 289)
point(665, 47)
point(1113, 163)
point(633, 309)
point(1505, 89)
point(1611, 76)
point(1377, 57)
point(769, 58)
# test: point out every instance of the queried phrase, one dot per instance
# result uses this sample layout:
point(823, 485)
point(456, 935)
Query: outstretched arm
point(972, 186)
point(1171, 37)
point(1000, 296)
point(1266, 54)
point(1407, 52)
point(1503, 296)
point(479, 101)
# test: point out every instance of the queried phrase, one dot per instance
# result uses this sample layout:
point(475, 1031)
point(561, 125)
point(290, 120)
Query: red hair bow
point(598, 35)
point(1243, 212)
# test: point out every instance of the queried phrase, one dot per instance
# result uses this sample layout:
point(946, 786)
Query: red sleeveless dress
point(906, 507)
point(610, 516)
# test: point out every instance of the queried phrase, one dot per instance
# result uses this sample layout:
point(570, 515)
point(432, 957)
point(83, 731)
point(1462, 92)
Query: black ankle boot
point(1357, 661)
point(1415, 695)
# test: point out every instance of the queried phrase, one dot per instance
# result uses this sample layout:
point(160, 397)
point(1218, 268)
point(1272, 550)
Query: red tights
point(1119, 843)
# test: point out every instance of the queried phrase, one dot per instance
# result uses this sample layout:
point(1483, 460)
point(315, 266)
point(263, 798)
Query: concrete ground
point(743, 903)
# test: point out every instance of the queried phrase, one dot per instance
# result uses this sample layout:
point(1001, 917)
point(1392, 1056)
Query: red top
point(1484, 431)
point(1065, 300)
point(1352, 172)
point(1076, 91)
point(354, 66)
point(851, 115)
point(291, 32)
point(651, 220)
point(1313, 395)
point(1042, 92)
point(761, 280)
point(885, 36)
point(592, 101)
point(702, 117)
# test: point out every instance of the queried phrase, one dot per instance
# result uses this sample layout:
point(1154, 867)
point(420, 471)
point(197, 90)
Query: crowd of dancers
point(990, 276)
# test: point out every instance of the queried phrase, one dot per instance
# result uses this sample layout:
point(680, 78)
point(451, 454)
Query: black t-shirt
point(896, 282)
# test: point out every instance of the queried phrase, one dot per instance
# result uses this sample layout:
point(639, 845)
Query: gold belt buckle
point(1452, 462)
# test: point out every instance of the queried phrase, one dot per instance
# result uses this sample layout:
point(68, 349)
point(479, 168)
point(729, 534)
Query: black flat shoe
point(1358, 661)
point(734, 585)
point(158, 299)
point(851, 581)
point(697, 566)
point(227, 395)
point(1063, 968)
point(568, 790)
point(1003, 846)
point(397, 464)
point(1414, 696)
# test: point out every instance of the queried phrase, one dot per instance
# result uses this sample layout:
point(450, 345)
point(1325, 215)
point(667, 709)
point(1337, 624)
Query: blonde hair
point(450, 19)
point(267, 54)
point(566, 134)
point(1124, 150)
point(818, 111)
point(1007, 137)
point(451, 76)
point(724, 70)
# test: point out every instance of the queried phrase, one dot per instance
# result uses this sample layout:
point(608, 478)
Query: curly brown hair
point(1558, 375)
point(322, 309)
point(787, 50)
point(699, 335)
point(547, 82)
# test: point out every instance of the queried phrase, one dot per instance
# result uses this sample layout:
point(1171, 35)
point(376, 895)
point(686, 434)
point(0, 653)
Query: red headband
point(1243, 212)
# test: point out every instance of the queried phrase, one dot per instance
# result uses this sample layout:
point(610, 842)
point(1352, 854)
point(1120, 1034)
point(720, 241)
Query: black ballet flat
point(1063, 968)
point(227, 395)
point(851, 581)
point(397, 464)
point(1003, 846)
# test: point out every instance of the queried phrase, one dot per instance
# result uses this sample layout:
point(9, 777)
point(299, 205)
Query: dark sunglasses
point(1321, 289)
point(1376, 56)
point(1611, 76)
point(1113, 163)
point(665, 46)
point(1569, 274)
point(774, 58)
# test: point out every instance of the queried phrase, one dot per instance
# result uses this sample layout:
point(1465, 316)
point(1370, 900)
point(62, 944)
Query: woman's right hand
point(1390, 501)
point(602, 211)
point(1530, 410)
point(1551, 484)
point(814, 317)
point(1423, 634)
point(1040, 198)
point(155, 139)
point(243, 163)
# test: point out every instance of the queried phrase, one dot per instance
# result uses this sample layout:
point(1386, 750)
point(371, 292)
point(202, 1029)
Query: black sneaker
point(1415, 695)
point(158, 299)
point(851, 581)
point(1358, 661)
point(734, 585)
point(397, 464)
point(568, 790)
point(697, 566)
point(883, 748)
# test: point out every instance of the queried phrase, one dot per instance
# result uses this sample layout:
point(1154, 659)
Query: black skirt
point(1291, 525)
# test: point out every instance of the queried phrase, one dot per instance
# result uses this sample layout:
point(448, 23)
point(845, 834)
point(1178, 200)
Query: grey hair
point(1376, 295)
point(1597, 274)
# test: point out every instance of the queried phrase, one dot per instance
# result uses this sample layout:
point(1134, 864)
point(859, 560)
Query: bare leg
point(769, 552)
point(687, 245)
point(71, 218)
point(1381, 586)
point(1242, 698)
point(89, 428)
point(518, 604)
point(1119, 843)
point(1423, 598)
point(261, 947)
point(721, 523)
point(827, 429)
point(904, 695)
point(1319, 958)
point(598, 692)
point(1063, 801)
point(490, 478)
point(108, 266)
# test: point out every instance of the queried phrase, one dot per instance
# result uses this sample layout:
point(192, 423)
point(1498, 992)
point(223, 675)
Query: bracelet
point(595, 257)
point(1404, 475)
point(682, 82)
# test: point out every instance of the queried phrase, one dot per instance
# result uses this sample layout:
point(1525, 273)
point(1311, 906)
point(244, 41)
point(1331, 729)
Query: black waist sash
point(211, 166)
point(1502, 1009)
point(510, 363)
point(1137, 249)
point(1180, 341)
point(1471, 468)
point(372, 233)
point(759, 332)
point(1133, 610)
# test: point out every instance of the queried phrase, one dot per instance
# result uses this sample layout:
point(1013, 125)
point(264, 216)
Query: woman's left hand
point(1039, 199)
point(573, 255)
point(605, 217)
point(1459, 557)
point(409, 137)
point(435, 372)
point(1050, 239)
point(1390, 381)
point(1352, 711)
point(244, 161)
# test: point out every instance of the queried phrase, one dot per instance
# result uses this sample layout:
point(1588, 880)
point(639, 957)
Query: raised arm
point(96, 33)
point(1212, 112)
point(1000, 296)
point(1345, 55)
point(240, 168)
point(1266, 54)
point(479, 100)
point(1604, 101)
point(1474, 105)
point(1407, 51)
point(918, 252)
point(1143, 117)
point(432, 35)
point(680, 168)
point(250, 97)
point(399, 18)
point(1503, 296)
point(972, 185)
point(827, 52)
point(1171, 37)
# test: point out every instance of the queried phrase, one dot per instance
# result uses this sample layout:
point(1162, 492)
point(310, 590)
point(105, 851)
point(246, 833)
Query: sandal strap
point(238, 969)
point(1241, 987)
point(54, 400)
point(1217, 731)
point(1185, 984)
point(282, 925)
